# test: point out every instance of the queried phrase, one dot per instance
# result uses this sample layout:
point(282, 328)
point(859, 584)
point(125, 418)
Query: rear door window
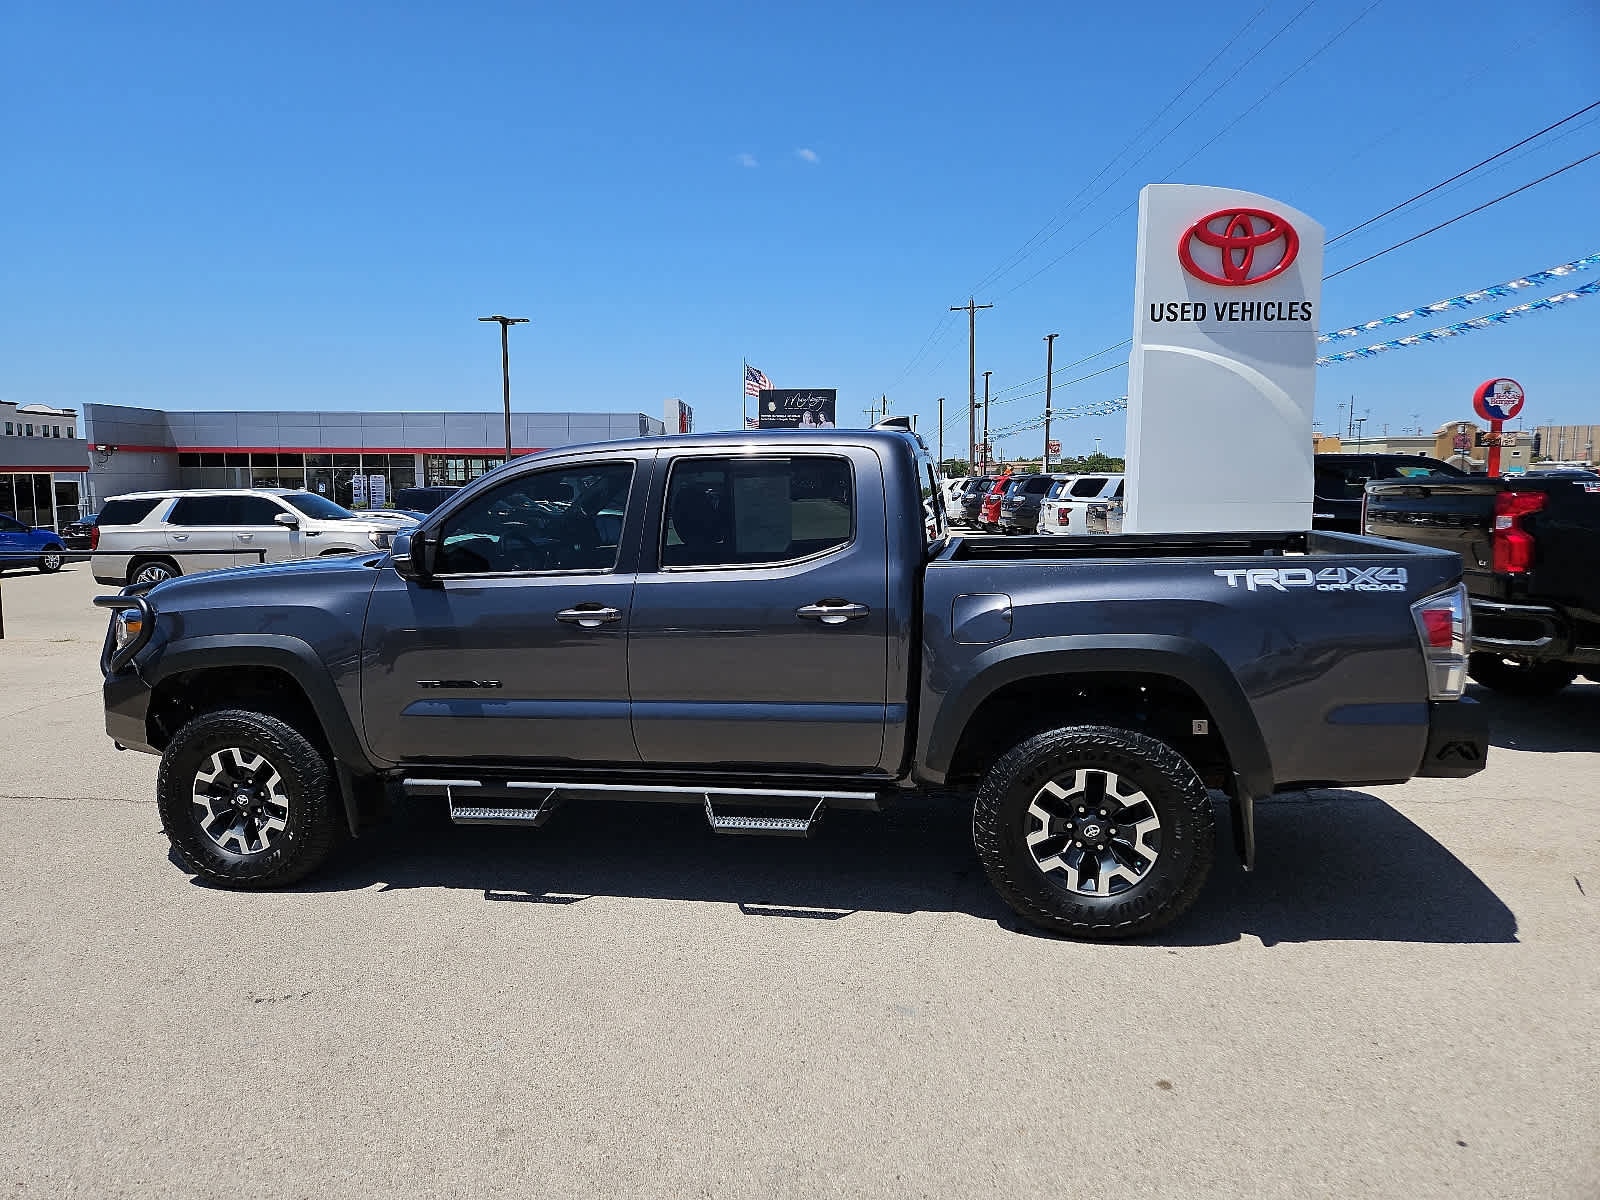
point(126, 512)
point(750, 511)
point(202, 511)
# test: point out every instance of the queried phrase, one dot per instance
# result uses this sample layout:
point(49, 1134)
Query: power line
point(1463, 216)
point(1462, 174)
point(1020, 254)
point(1001, 398)
point(1262, 99)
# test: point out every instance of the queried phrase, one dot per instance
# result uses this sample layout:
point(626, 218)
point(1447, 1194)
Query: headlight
point(128, 624)
point(381, 538)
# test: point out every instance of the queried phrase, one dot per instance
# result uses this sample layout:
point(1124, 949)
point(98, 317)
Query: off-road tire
point(52, 560)
point(1520, 679)
point(315, 824)
point(1001, 822)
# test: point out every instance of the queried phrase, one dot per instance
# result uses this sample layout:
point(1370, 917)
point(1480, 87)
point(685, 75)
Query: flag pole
point(744, 394)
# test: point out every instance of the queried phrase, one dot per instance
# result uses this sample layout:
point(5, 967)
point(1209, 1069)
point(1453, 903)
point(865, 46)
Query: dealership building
point(350, 457)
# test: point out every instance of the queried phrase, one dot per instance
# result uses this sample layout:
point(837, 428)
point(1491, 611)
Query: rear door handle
point(832, 612)
point(590, 616)
point(180, 537)
point(245, 537)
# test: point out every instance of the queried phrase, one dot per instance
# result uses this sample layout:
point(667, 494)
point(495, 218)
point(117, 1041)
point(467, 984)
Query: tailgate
point(1453, 514)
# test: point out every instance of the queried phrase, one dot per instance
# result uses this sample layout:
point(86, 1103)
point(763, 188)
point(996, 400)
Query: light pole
point(986, 375)
point(1049, 370)
point(505, 324)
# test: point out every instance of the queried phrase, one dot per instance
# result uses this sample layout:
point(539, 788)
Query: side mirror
point(412, 555)
point(287, 520)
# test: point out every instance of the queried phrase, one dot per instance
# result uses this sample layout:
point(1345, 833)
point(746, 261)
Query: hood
point(272, 581)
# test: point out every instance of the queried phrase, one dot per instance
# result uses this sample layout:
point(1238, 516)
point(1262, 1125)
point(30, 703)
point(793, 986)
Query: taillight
point(1513, 545)
point(1444, 625)
point(94, 537)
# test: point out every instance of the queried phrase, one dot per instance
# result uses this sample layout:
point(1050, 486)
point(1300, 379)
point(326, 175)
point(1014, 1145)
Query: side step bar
point(501, 802)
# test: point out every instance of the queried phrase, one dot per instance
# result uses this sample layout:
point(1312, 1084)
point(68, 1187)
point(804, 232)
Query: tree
point(955, 468)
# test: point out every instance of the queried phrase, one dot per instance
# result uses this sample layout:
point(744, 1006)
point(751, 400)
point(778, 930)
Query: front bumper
point(1458, 739)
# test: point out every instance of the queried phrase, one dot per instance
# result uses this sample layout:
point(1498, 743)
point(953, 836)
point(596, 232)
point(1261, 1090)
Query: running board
point(501, 802)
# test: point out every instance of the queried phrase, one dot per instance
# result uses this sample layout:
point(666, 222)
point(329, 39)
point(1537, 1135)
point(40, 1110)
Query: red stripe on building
point(455, 451)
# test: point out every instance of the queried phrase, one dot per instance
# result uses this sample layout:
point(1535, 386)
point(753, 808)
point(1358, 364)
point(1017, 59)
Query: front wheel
point(247, 800)
point(1519, 678)
point(1095, 831)
point(50, 562)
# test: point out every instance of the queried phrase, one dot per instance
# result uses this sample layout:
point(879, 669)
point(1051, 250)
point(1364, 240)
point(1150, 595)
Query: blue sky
point(306, 206)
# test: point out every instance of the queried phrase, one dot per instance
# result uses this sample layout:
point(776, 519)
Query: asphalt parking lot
point(1402, 1001)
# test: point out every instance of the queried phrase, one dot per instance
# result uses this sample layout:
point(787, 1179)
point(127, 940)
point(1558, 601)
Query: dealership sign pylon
point(1222, 379)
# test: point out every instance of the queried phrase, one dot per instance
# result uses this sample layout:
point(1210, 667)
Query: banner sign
point(377, 490)
point(1227, 293)
point(797, 408)
point(358, 489)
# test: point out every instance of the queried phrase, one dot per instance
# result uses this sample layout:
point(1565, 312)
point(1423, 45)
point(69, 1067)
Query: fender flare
point(1185, 660)
point(296, 659)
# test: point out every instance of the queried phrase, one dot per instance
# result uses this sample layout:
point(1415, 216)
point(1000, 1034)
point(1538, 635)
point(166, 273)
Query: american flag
point(754, 381)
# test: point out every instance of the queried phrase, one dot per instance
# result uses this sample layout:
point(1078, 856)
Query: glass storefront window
point(28, 498)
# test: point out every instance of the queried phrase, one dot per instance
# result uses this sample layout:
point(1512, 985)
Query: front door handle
point(247, 537)
point(590, 616)
point(180, 537)
point(832, 612)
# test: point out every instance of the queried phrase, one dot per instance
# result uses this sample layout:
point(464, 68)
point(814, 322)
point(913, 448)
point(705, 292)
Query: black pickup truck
point(1530, 549)
point(768, 626)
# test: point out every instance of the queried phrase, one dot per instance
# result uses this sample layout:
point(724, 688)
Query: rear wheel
point(153, 570)
point(247, 800)
point(50, 561)
point(1519, 678)
point(1095, 831)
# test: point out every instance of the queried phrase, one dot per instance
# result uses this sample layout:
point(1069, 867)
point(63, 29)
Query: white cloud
point(746, 160)
point(805, 155)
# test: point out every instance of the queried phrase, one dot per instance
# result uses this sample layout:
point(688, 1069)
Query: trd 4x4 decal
point(1328, 579)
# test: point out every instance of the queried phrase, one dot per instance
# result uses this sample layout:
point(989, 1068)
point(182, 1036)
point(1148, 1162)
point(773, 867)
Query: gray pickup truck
point(768, 626)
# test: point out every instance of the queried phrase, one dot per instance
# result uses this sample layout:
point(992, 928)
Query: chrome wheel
point(1095, 828)
point(242, 804)
point(153, 573)
point(50, 563)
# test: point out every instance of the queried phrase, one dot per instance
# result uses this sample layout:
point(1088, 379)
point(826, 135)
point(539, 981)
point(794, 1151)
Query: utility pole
point(1351, 431)
point(986, 375)
point(505, 324)
point(971, 308)
point(941, 435)
point(1049, 372)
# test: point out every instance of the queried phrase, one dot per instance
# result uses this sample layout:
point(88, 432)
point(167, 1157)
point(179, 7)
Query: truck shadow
point(1333, 866)
point(1566, 722)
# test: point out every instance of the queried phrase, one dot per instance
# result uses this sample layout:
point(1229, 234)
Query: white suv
point(151, 536)
point(1064, 509)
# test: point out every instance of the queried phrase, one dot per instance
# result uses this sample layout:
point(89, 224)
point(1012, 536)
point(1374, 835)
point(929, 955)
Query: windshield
point(319, 508)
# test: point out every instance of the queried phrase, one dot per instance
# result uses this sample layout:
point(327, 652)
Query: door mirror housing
point(287, 520)
point(412, 555)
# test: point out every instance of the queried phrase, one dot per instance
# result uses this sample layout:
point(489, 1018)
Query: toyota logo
point(1091, 831)
point(1239, 233)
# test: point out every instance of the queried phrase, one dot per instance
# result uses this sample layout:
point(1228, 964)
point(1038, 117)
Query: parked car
point(153, 536)
point(30, 546)
point(989, 510)
point(779, 624)
point(1066, 506)
point(967, 509)
point(424, 499)
point(1340, 482)
point(79, 534)
point(1019, 508)
point(1529, 546)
